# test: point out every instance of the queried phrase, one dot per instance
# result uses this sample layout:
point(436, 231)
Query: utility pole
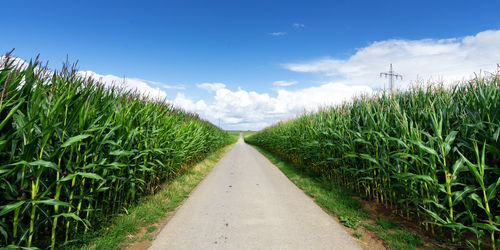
point(392, 76)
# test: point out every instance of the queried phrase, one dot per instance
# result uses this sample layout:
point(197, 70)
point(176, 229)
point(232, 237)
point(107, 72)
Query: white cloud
point(324, 65)
point(285, 83)
point(211, 86)
point(280, 33)
point(298, 25)
point(243, 109)
point(133, 84)
point(447, 59)
point(450, 60)
point(14, 60)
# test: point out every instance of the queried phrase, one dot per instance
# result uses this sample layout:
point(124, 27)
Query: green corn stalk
point(403, 150)
point(43, 118)
point(487, 192)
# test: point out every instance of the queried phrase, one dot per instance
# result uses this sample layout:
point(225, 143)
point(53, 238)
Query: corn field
point(73, 151)
point(431, 154)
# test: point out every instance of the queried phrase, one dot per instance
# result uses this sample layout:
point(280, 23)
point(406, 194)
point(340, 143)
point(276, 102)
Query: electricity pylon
point(392, 76)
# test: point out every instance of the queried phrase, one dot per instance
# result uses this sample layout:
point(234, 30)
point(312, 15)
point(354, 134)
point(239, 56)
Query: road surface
point(247, 203)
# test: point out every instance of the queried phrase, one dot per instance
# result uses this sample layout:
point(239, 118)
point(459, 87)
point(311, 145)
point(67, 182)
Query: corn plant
point(74, 151)
point(417, 152)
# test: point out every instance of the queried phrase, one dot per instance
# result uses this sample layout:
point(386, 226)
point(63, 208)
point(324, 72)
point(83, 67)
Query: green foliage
point(337, 201)
point(358, 235)
point(74, 151)
point(146, 237)
point(401, 240)
point(330, 196)
point(236, 134)
point(150, 209)
point(371, 227)
point(385, 224)
point(151, 229)
point(431, 153)
point(350, 222)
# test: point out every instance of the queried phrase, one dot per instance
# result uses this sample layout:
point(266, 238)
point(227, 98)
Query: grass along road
point(374, 226)
point(247, 203)
point(136, 229)
point(236, 133)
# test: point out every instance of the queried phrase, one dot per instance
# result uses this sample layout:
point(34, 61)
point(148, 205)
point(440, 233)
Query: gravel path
point(247, 203)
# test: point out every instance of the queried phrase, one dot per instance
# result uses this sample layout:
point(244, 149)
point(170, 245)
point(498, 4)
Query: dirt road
point(247, 203)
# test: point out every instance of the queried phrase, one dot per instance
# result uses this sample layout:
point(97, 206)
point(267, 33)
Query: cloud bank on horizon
point(446, 60)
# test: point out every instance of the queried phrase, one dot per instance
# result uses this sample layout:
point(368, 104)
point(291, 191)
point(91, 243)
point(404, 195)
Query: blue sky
point(250, 46)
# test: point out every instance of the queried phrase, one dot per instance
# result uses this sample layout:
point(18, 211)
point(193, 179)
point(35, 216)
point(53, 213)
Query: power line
point(392, 76)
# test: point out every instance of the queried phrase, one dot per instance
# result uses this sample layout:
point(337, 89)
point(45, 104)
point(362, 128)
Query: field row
point(431, 153)
point(73, 151)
